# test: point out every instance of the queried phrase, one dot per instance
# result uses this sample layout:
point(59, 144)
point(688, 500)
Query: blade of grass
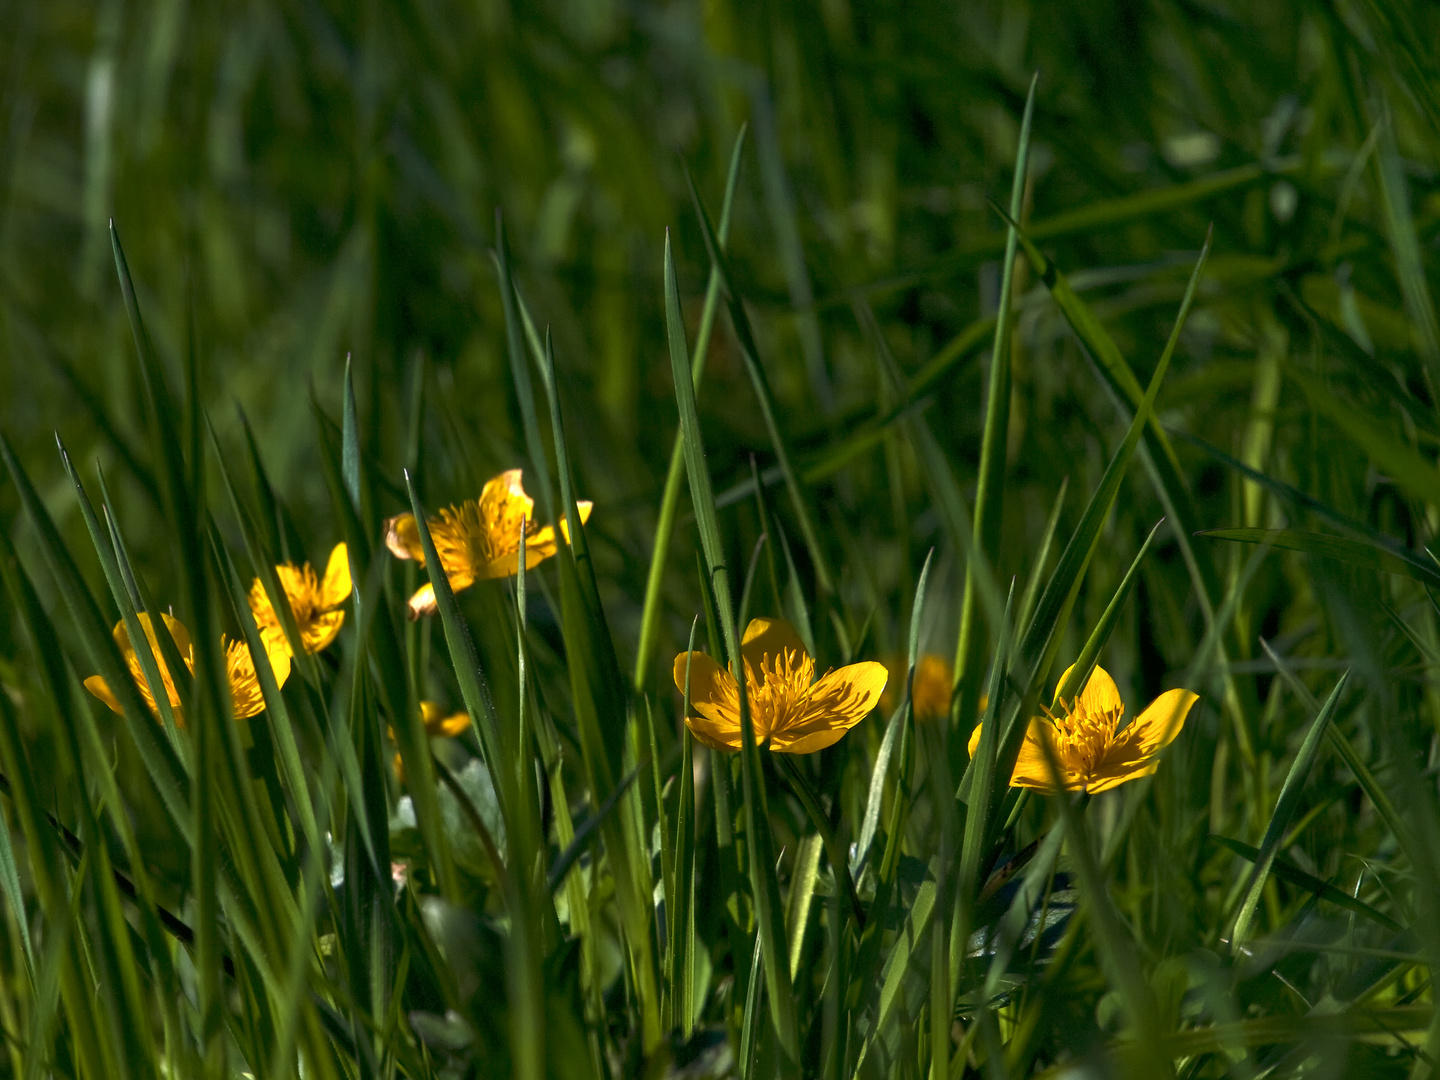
point(990, 482)
point(750, 353)
point(765, 887)
point(1359, 553)
point(670, 497)
point(1285, 808)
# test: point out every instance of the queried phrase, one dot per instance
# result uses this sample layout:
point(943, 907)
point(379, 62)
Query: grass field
point(1008, 432)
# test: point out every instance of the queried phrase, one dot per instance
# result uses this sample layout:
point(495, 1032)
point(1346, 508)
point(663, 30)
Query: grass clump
point(823, 505)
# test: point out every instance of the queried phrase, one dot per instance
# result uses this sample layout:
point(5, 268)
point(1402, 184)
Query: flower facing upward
point(1094, 752)
point(245, 697)
point(479, 539)
point(314, 602)
point(791, 712)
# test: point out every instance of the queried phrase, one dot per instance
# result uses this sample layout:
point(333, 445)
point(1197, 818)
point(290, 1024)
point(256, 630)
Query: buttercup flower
point(314, 602)
point(479, 539)
point(437, 722)
point(790, 711)
point(1094, 752)
point(245, 697)
point(929, 693)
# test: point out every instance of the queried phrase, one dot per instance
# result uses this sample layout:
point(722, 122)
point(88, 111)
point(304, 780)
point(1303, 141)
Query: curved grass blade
point(1289, 872)
point(1361, 553)
point(1285, 808)
point(763, 880)
point(740, 323)
point(670, 497)
point(990, 479)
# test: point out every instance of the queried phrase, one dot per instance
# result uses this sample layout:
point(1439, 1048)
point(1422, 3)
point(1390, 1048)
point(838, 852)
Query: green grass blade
point(740, 323)
point(1285, 808)
point(1100, 636)
point(765, 887)
point(1361, 553)
point(990, 484)
point(670, 497)
point(1288, 872)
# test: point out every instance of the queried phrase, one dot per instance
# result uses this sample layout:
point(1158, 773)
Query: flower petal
point(541, 543)
point(1032, 769)
point(836, 703)
point(423, 602)
point(97, 685)
point(503, 503)
point(337, 586)
point(402, 537)
point(770, 637)
point(319, 632)
point(715, 735)
point(1157, 726)
point(1100, 693)
point(438, 722)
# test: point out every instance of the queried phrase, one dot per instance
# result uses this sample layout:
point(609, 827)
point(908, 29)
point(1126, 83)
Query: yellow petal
point(716, 736)
point(402, 537)
point(710, 684)
point(277, 651)
point(320, 631)
point(336, 587)
point(437, 722)
point(503, 503)
point(423, 602)
point(931, 687)
point(539, 545)
point(97, 685)
point(1157, 726)
point(1032, 769)
point(1100, 693)
point(974, 743)
point(836, 703)
point(769, 637)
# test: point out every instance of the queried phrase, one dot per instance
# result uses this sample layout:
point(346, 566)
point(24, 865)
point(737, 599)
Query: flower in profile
point(315, 602)
point(437, 722)
point(245, 696)
point(791, 712)
point(479, 539)
point(1094, 752)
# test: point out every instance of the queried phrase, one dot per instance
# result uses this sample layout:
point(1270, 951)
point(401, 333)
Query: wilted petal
point(402, 537)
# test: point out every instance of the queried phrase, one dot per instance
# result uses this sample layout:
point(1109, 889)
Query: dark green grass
point(1216, 310)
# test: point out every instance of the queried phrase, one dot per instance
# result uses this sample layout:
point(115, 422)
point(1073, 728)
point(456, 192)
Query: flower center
point(1083, 735)
point(779, 693)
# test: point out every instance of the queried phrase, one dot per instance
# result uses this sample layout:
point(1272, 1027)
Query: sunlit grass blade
point(1040, 640)
point(1100, 636)
point(670, 497)
point(990, 482)
point(740, 324)
point(765, 887)
point(520, 373)
point(1285, 808)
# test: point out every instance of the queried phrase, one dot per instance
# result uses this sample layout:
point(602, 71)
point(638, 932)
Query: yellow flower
point(245, 697)
point(479, 539)
point(930, 692)
point(437, 722)
point(1094, 752)
point(315, 603)
point(791, 712)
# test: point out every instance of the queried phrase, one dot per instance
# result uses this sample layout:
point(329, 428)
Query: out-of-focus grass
point(299, 182)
